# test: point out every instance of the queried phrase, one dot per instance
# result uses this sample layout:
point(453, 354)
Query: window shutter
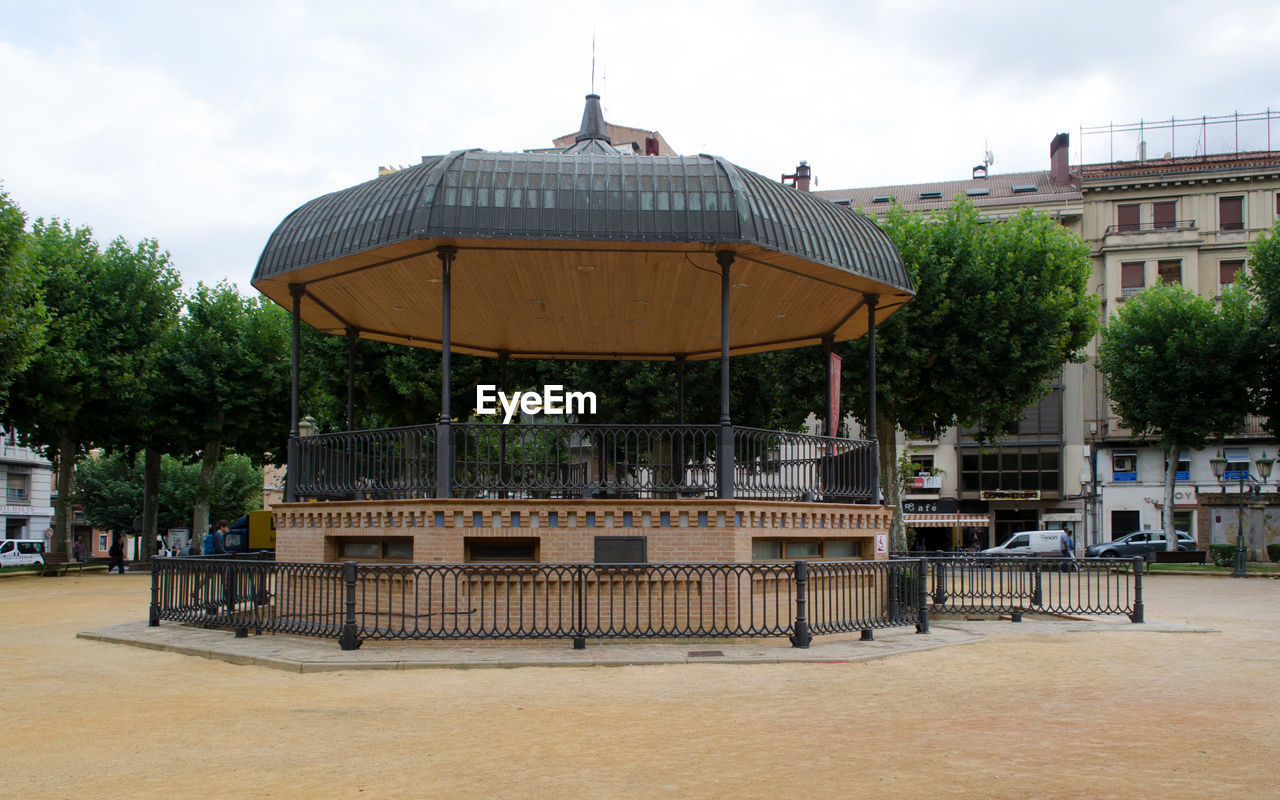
point(1165, 214)
point(1227, 271)
point(1128, 217)
point(1231, 213)
point(1131, 275)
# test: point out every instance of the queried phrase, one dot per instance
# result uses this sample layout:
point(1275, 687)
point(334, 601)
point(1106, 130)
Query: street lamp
point(1220, 472)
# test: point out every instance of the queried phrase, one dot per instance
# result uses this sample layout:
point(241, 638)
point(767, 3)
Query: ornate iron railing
point(357, 602)
point(1016, 585)
point(578, 460)
point(777, 465)
point(583, 460)
point(378, 464)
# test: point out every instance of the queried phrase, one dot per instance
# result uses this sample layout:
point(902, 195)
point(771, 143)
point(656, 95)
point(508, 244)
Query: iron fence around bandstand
point(960, 583)
point(354, 602)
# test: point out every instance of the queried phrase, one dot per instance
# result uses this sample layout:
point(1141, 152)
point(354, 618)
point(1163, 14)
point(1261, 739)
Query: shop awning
point(946, 520)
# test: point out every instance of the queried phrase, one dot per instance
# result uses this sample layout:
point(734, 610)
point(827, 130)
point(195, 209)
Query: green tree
point(109, 488)
point(224, 382)
point(1263, 284)
point(107, 311)
point(22, 313)
point(1179, 369)
point(999, 309)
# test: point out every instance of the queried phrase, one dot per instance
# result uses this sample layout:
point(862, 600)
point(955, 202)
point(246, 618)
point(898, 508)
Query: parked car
point(1029, 543)
point(1138, 543)
point(14, 552)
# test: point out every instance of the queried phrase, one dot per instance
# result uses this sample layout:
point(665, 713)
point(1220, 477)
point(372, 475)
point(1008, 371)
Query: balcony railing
point(576, 461)
point(1148, 227)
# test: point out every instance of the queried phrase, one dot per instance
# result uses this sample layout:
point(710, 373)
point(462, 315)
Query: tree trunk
point(150, 499)
point(62, 545)
point(1171, 458)
point(204, 491)
point(887, 434)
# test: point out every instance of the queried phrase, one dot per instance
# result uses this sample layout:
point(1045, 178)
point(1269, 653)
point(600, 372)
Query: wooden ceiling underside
point(536, 299)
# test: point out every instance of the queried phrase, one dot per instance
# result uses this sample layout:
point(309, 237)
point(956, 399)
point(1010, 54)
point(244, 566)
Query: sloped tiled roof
point(999, 193)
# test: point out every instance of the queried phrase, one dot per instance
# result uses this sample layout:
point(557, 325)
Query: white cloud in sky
point(203, 125)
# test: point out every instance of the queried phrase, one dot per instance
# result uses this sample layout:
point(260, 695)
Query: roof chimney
point(799, 179)
point(1058, 172)
point(651, 145)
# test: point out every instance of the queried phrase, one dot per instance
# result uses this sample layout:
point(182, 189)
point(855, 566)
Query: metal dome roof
point(584, 253)
point(472, 194)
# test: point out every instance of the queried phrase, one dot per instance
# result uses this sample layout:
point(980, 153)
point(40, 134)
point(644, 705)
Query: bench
point(1179, 557)
point(59, 568)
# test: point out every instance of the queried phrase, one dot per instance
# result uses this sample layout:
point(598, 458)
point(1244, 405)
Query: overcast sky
point(204, 124)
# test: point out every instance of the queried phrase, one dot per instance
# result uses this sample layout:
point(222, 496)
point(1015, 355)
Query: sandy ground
point(1073, 715)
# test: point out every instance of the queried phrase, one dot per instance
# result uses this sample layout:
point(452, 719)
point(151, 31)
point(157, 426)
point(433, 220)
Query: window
point(1164, 214)
point(1237, 463)
point(1124, 465)
point(1183, 470)
point(399, 548)
point(102, 541)
point(621, 550)
point(500, 550)
point(1023, 188)
point(1132, 278)
point(774, 549)
point(1127, 217)
point(1227, 272)
point(1231, 213)
point(1169, 271)
point(16, 489)
point(931, 195)
point(1011, 468)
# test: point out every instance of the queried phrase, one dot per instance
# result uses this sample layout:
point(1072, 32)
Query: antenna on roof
point(593, 61)
point(988, 157)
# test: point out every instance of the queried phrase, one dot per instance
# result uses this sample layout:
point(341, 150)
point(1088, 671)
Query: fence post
point(939, 582)
point(1036, 589)
point(801, 637)
point(922, 594)
point(153, 618)
point(893, 593)
point(231, 598)
point(580, 609)
point(1137, 615)
point(349, 639)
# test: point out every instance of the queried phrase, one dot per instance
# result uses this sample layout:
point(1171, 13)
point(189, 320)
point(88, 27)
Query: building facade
point(969, 496)
point(1182, 218)
point(27, 512)
point(1186, 219)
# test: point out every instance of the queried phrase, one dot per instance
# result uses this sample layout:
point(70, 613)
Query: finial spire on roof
point(592, 121)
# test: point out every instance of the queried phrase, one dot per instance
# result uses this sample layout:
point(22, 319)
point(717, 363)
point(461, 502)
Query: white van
point(21, 551)
point(1029, 543)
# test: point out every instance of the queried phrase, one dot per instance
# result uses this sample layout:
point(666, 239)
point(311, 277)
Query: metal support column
point(444, 433)
point(828, 343)
point(352, 336)
point(296, 290)
point(872, 299)
point(724, 452)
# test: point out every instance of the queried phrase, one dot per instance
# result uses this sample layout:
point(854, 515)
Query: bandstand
point(586, 253)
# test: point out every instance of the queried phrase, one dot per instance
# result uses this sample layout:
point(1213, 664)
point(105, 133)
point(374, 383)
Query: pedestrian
point(77, 549)
point(1067, 549)
point(117, 555)
point(213, 542)
point(162, 549)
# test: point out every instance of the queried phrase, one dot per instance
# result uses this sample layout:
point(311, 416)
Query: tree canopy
point(109, 489)
point(1180, 368)
point(107, 311)
point(22, 312)
point(1263, 283)
point(999, 309)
